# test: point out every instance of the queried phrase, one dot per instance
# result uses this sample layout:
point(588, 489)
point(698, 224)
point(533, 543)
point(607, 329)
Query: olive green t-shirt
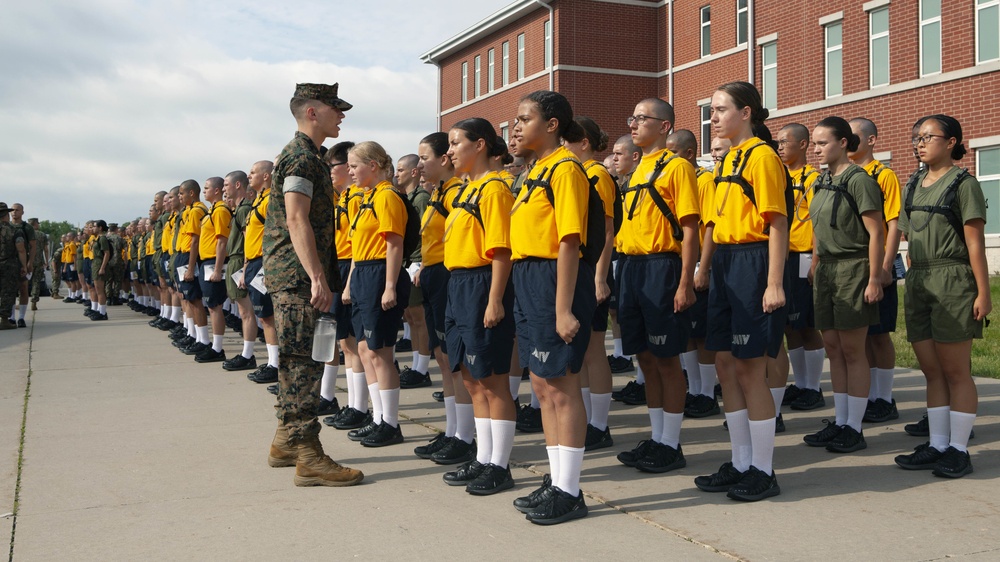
point(850, 236)
point(101, 247)
point(930, 235)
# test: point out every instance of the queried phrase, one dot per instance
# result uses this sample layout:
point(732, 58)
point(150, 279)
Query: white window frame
point(985, 178)
point(505, 131)
point(548, 43)
point(705, 112)
point(465, 81)
point(872, 37)
point(743, 12)
point(505, 63)
point(706, 47)
point(980, 7)
point(827, 50)
point(520, 57)
point(490, 70)
point(478, 73)
point(924, 23)
point(764, 68)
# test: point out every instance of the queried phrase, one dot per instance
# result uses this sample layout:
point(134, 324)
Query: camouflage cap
point(322, 92)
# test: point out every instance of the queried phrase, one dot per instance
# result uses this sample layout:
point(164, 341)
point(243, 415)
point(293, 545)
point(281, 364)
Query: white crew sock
point(778, 394)
point(671, 433)
point(327, 387)
point(840, 408)
point(465, 422)
point(349, 377)
point(656, 423)
point(360, 399)
point(640, 377)
point(515, 385)
point(873, 387)
point(534, 399)
point(570, 462)
point(600, 406)
point(939, 424)
point(390, 406)
point(856, 406)
point(93, 306)
point(503, 441)
point(376, 399)
point(709, 378)
point(618, 346)
point(586, 400)
point(739, 439)
point(814, 367)
point(797, 359)
point(406, 331)
point(553, 454)
point(203, 334)
point(216, 342)
point(484, 440)
point(450, 417)
point(422, 363)
point(247, 349)
point(272, 355)
point(961, 428)
point(689, 363)
point(762, 444)
point(415, 360)
point(102, 309)
point(174, 313)
point(885, 378)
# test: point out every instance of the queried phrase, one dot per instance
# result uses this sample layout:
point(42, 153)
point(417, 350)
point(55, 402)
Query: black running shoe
point(491, 480)
point(620, 364)
point(880, 411)
point(464, 474)
point(779, 424)
point(755, 486)
point(240, 363)
point(847, 441)
point(383, 436)
point(404, 345)
point(629, 458)
point(559, 508)
point(808, 399)
point(823, 437)
point(328, 407)
point(702, 407)
point(352, 418)
point(438, 396)
point(791, 393)
point(923, 457)
point(266, 374)
point(435, 445)
point(410, 378)
point(661, 458)
point(636, 396)
point(529, 420)
point(196, 348)
point(598, 439)
point(919, 429)
point(273, 389)
point(617, 394)
point(527, 503)
point(95, 316)
point(184, 342)
point(455, 452)
point(721, 481)
point(953, 464)
point(362, 432)
point(210, 356)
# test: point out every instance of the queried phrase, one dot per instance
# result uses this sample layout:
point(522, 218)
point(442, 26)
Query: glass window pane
point(930, 9)
point(991, 189)
point(706, 41)
point(833, 35)
point(706, 14)
point(770, 54)
point(771, 88)
point(834, 66)
point(741, 28)
point(880, 61)
point(930, 43)
point(741, 4)
point(880, 21)
point(989, 34)
point(989, 162)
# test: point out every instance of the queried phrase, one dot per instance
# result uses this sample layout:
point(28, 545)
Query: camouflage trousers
point(10, 286)
point(114, 286)
point(36, 282)
point(299, 376)
point(56, 279)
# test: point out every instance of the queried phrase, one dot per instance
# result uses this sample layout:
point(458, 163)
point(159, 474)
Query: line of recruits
point(715, 268)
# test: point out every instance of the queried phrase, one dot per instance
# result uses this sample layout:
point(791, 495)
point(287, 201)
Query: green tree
point(55, 230)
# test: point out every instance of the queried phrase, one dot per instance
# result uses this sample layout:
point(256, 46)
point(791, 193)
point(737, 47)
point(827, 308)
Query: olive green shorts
point(839, 294)
point(416, 296)
point(938, 303)
point(158, 264)
point(234, 264)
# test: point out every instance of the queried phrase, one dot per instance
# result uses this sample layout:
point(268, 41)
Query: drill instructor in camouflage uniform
point(40, 264)
point(13, 265)
point(299, 269)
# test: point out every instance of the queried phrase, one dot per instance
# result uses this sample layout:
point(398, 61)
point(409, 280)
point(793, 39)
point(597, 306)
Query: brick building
point(892, 61)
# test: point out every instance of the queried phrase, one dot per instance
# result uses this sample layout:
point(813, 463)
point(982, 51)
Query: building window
point(706, 129)
point(490, 83)
point(834, 59)
point(479, 71)
point(505, 133)
point(878, 47)
point(988, 174)
point(548, 43)
point(769, 75)
point(930, 37)
point(520, 57)
point(706, 31)
point(987, 30)
point(465, 82)
point(505, 62)
point(742, 21)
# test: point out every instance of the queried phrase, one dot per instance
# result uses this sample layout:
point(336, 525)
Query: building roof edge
point(495, 21)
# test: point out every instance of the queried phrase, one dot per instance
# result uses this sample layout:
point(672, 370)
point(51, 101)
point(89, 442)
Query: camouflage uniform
point(116, 266)
point(57, 269)
point(299, 169)
point(10, 267)
point(38, 267)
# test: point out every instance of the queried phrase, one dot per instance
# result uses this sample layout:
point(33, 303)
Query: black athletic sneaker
point(362, 432)
point(721, 481)
point(527, 503)
point(808, 399)
point(328, 407)
point(491, 480)
point(847, 441)
point(95, 316)
point(620, 364)
point(559, 508)
point(779, 424)
point(464, 474)
point(598, 439)
point(629, 458)
point(754, 486)
point(529, 420)
point(702, 407)
point(617, 394)
point(880, 410)
point(264, 375)
point(822, 437)
point(438, 396)
point(184, 342)
point(404, 345)
point(240, 363)
point(435, 445)
point(196, 348)
point(411, 378)
point(273, 389)
point(919, 429)
point(953, 464)
point(791, 393)
point(661, 458)
point(923, 457)
point(455, 452)
point(634, 396)
point(210, 356)
point(383, 436)
point(351, 418)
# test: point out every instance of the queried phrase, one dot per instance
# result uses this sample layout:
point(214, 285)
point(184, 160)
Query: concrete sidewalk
point(133, 451)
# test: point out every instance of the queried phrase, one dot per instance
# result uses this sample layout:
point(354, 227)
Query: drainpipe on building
point(552, 26)
point(751, 42)
point(670, 51)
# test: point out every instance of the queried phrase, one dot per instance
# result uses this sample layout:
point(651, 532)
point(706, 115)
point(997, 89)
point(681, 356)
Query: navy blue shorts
point(213, 294)
point(599, 323)
point(341, 311)
point(483, 351)
point(67, 274)
point(165, 266)
point(87, 277)
point(151, 277)
point(262, 306)
point(736, 319)
point(888, 308)
point(190, 290)
point(698, 314)
point(613, 300)
point(646, 305)
point(799, 294)
point(378, 327)
point(539, 346)
point(434, 282)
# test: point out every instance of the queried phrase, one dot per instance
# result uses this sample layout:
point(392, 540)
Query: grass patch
point(985, 352)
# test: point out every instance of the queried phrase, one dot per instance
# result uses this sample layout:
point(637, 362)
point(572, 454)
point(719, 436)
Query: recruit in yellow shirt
point(387, 215)
point(649, 231)
point(706, 195)
point(432, 224)
point(167, 237)
point(891, 192)
point(737, 220)
point(467, 243)
point(190, 225)
point(537, 228)
point(253, 244)
point(346, 208)
point(800, 239)
point(214, 225)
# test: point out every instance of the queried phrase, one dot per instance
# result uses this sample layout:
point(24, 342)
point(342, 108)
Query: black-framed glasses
point(640, 119)
point(335, 164)
point(926, 139)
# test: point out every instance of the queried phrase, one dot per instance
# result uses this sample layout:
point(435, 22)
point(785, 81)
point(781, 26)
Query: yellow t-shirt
point(467, 243)
point(800, 239)
point(214, 225)
point(346, 208)
point(432, 224)
point(706, 194)
point(382, 212)
point(149, 244)
point(649, 231)
point(737, 220)
point(190, 225)
point(891, 192)
point(253, 243)
point(88, 248)
point(167, 237)
point(536, 228)
point(507, 177)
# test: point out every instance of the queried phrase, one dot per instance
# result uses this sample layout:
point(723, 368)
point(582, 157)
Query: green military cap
point(33, 219)
point(322, 92)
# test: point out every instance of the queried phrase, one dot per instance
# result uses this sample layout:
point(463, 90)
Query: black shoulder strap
point(256, 205)
point(471, 202)
point(840, 191)
point(650, 186)
point(367, 202)
point(945, 205)
point(803, 178)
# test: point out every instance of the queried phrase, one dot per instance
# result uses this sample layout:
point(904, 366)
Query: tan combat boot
point(281, 454)
point(34, 305)
point(314, 468)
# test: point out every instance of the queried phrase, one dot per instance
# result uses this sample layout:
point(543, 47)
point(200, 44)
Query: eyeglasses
point(335, 164)
point(926, 139)
point(640, 119)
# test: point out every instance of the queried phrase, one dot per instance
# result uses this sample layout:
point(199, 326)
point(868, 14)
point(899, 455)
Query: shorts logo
point(368, 333)
point(657, 340)
point(794, 316)
point(440, 335)
point(741, 339)
point(542, 356)
point(470, 359)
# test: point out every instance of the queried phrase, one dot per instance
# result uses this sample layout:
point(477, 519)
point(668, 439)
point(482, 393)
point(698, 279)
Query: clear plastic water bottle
point(324, 339)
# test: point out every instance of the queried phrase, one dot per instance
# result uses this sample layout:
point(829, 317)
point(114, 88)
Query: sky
point(103, 103)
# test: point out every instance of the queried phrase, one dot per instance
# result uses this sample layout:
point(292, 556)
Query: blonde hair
point(371, 151)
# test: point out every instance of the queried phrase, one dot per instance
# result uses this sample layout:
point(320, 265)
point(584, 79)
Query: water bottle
point(324, 339)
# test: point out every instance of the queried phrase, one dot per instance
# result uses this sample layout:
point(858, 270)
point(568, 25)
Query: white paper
point(237, 276)
point(258, 282)
point(209, 270)
point(181, 272)
point(72, 267)
point(135, 276)
point(412, 270)
point(805, 264)
point(28, 276)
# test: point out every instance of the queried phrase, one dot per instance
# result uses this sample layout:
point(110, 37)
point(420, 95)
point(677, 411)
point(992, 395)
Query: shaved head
point(683, 140)
point(866, 126)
